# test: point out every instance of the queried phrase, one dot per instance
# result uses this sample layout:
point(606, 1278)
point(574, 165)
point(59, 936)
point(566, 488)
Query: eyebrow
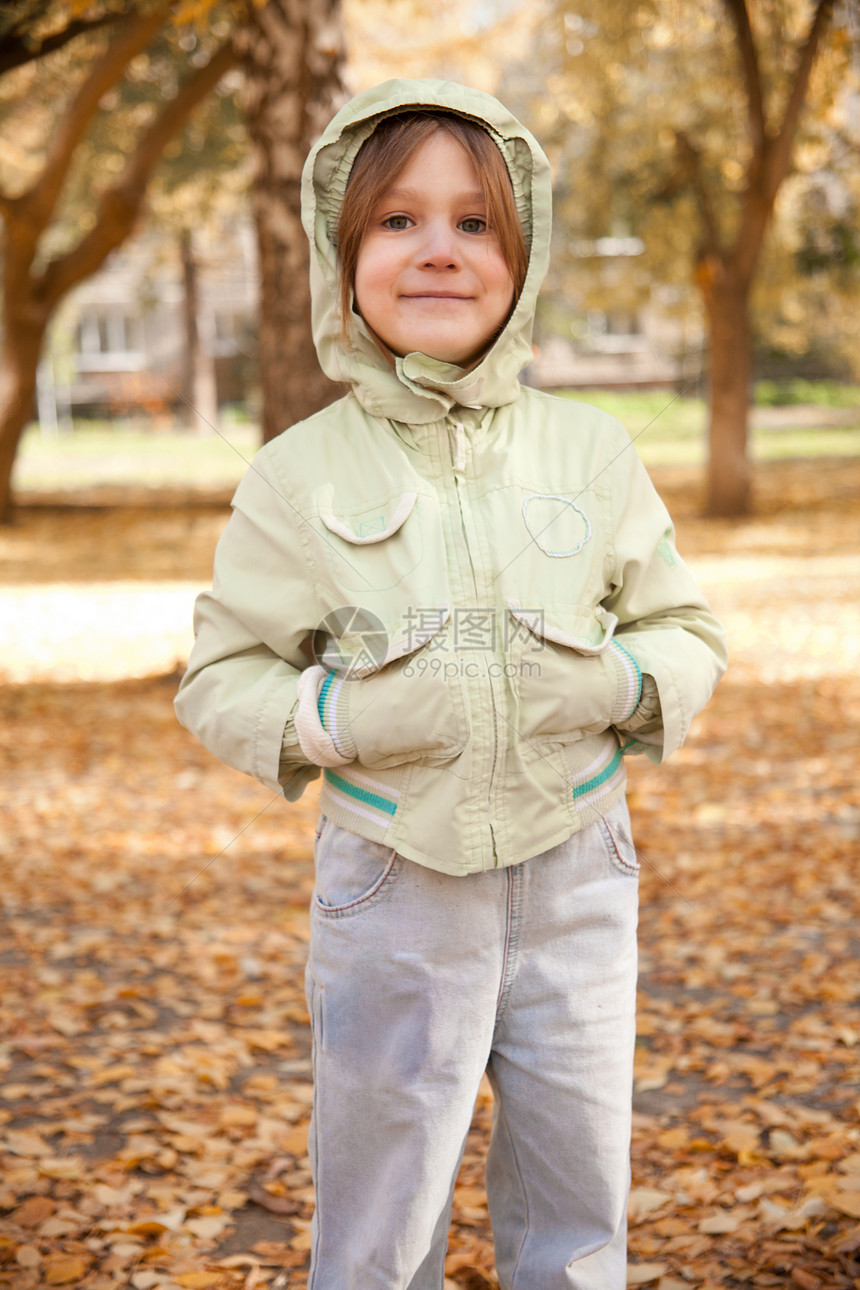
point(475, 198)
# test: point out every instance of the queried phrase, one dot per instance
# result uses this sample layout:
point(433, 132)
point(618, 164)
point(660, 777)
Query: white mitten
point(314, 740)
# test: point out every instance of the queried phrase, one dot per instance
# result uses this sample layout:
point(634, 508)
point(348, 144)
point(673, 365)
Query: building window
point(615, 331)
point(108, 340)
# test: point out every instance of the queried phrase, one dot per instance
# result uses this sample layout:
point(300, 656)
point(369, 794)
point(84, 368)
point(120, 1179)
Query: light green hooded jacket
point(488, 571)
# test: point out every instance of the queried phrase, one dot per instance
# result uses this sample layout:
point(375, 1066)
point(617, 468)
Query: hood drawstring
point(459, 447)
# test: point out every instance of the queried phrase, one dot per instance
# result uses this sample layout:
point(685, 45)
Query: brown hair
point(384, 155)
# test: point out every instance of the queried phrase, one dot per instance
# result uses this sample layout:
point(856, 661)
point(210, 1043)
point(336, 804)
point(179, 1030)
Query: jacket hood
point(420, 389)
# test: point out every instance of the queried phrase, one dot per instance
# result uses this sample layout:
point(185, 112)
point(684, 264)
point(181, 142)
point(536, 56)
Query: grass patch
point(124, 455)
point(668, 430)
point(824, 394)
point(823, 441)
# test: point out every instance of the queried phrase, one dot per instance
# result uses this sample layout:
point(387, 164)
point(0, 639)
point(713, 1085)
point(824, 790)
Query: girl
point(462, 599)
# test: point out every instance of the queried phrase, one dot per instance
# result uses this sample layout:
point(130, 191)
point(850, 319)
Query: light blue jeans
point(417, 983)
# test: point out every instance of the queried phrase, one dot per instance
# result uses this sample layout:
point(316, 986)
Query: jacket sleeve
point(664, 621)
point(239, 693)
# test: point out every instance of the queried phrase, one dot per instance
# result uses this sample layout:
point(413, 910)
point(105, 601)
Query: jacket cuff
point(314, 740)
point(629, 683)
point(648, 714)
point(333, 710)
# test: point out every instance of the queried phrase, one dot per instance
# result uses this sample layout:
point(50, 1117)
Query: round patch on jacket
point(556, 524)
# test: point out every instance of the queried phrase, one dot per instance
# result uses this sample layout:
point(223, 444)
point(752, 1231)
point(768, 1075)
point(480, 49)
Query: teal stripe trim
point(323, 694)
point(352, 790)
point(638, 671)
point(601, 778)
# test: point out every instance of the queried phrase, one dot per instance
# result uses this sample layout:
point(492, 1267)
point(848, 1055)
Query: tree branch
point(135, 34)
point(764, 181)
point(779, 154)
point(691, 159)
point(121, 204)
point(15, 51)
point(756, 120)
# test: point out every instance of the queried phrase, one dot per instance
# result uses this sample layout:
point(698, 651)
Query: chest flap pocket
point(368, 528)
point(386, 558)
point(374, 549)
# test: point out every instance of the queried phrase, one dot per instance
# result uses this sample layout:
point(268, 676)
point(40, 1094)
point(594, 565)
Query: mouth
point(433, 295)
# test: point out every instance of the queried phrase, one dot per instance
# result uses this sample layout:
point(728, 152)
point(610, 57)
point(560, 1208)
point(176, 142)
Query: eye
point(473, 224)
point(396, 222)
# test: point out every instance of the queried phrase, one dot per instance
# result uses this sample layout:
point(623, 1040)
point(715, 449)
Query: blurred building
point(166, 327)
point(657, 342)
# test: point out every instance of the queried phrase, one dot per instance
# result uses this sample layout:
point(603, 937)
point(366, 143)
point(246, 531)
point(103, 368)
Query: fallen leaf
point(62, 1269)
point(28, 1256)
point(238, 1117)
point(642, 1274)
point(156, 1025)
point(846, 1203)
point(275, 1204)
point(208, 1227)
point(34, 1211)
point(720, 1224)
point(805, 1279)
point(643, 1201)
point(295, 1141)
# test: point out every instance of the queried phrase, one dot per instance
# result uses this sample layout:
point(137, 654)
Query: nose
point(439, 246)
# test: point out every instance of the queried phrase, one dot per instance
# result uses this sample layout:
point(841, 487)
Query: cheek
point(374, 272)
point(359, 285)
point(359, 282)
point(498, 275)
point(504, 287)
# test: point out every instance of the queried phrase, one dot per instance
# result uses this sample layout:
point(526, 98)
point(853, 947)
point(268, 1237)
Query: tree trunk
point(730, 346)
point(199, 385)
point(30, 298)
point(19, 360)
point(292, 56)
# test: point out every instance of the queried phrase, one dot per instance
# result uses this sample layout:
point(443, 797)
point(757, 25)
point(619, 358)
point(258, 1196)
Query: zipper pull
point(459, 447)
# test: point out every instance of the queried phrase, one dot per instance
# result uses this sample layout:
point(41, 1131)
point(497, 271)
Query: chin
point(455, 360)
point(445, 354)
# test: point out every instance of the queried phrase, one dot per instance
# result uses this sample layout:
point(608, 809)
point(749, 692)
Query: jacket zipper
point(458, 466)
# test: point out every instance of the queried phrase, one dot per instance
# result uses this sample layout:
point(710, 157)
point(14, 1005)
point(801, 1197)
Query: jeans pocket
point(352, 873)
point(618, 840)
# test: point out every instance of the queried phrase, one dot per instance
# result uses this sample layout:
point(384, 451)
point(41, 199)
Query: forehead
point(439, 165)
point(325, 183)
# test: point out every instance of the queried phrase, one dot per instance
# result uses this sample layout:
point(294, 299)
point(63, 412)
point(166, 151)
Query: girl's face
point(430, 275)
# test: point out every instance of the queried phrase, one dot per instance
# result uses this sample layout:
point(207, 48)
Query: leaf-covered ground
point(154, 1051)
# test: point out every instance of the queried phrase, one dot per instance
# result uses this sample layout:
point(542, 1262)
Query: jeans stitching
point(617, 859)
point(315, 1121)
point(512, 936)
point(513, 1155)
point(373, 895)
